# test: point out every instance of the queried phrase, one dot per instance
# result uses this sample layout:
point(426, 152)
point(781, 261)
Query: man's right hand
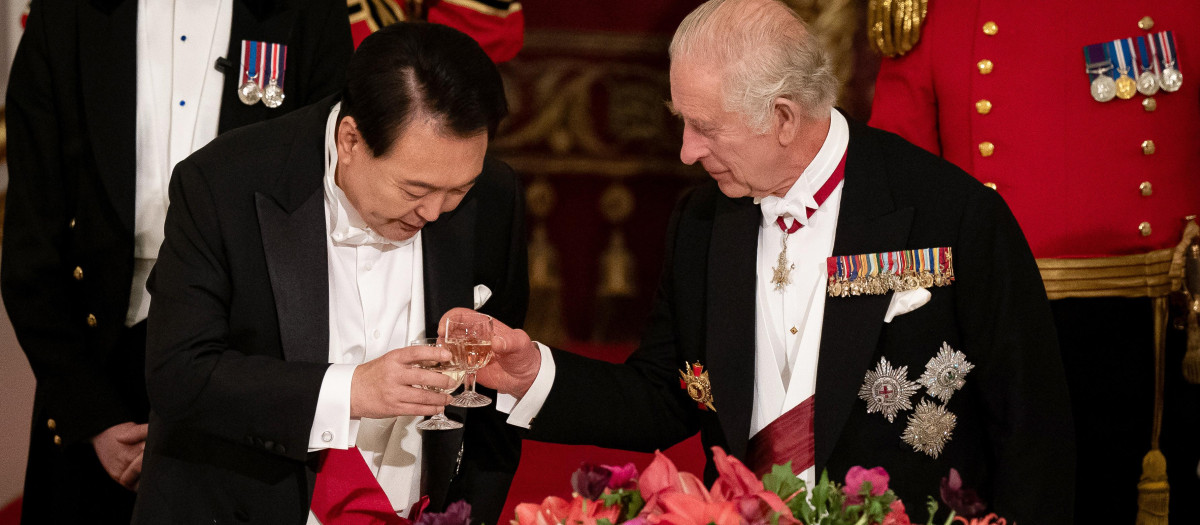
point(515, 359)
point(119, 449)
point(383, 387)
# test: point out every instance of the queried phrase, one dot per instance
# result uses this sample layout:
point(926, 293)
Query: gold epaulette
point(894, 26)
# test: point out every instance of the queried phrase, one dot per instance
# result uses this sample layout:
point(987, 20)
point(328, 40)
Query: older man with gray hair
point(834, 297)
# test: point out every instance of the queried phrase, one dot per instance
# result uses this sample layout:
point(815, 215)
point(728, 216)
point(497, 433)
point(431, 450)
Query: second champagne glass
point(453, 369)
point(472, 333)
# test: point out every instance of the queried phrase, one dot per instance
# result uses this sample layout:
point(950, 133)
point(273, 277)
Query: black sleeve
point(193, 376)
point(643, 407)
point(40, 294)
point(1003, 309)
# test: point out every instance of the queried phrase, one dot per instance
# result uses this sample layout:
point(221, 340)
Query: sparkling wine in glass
point(471, 334)
point(453, 369)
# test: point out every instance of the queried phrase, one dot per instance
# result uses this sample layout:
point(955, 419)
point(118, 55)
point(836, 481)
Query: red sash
point(788, 438)
point(347, 492)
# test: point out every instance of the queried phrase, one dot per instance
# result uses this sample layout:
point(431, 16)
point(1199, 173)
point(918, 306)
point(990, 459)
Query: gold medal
point(1126, 86)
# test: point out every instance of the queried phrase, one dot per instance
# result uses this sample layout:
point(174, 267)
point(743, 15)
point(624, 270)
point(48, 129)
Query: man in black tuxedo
point(104, 96)
point(301, 257)
point(751, 342)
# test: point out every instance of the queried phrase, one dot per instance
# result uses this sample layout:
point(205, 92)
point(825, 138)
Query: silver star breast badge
point(887, 390)
point(929, 428)
point(946, 373)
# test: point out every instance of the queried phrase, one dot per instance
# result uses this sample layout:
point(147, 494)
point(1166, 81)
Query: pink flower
point(623, 477)
point(661, 477)
point(854, 481)
point(897, 516)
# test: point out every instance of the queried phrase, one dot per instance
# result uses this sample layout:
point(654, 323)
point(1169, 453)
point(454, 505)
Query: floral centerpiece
point(661, 495)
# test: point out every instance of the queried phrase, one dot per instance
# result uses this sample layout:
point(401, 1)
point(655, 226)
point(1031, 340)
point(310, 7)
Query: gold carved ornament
point(894, 26)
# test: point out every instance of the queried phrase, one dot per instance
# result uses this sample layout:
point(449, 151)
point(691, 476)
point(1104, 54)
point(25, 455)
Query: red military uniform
point(1000, 88)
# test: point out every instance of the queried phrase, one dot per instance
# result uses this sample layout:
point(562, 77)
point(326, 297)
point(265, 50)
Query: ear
point(786, 116)
point(348, 139)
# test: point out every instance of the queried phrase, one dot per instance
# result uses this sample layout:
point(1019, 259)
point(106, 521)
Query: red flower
point(854, 481)
point(897, 516)
point(554, 510)
point(735, 483)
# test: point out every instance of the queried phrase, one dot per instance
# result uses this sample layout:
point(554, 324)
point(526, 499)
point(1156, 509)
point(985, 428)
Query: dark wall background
point(599, 152)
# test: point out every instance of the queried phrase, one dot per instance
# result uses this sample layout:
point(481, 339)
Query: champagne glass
point(472, 334)
point(453, 369)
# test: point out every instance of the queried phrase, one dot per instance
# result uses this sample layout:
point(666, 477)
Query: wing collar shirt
point(376, 304)
point(785, 362)
point(178, 109)
point(788, 321)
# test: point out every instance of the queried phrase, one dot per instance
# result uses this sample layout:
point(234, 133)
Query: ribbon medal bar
point(1100, 70)
point(1172, 78)
point(880, 273)
point(263, 66)
point(1122, 55)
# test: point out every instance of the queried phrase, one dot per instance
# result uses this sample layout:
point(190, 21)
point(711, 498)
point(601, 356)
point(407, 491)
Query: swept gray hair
point(766, 51)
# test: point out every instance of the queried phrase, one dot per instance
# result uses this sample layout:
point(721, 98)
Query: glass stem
point(471, 382)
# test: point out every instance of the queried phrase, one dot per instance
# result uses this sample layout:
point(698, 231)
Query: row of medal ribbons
point(1127, 66)
point(261, 78)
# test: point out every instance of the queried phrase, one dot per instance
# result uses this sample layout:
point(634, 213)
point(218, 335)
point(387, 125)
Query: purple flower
point(458, 513)
point(590, 480)
point(622, 477)
point(963, 501)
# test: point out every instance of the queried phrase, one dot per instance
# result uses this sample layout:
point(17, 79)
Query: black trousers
point(67, 484)
point(1108, 351)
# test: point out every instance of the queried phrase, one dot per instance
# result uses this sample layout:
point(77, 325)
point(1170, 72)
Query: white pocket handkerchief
point(906, 301)
point(482, 294)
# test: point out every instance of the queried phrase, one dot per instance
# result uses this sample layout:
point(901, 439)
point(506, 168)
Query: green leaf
point(603, 521)
point(634, 504)
point(782, 481)
point(610, 498)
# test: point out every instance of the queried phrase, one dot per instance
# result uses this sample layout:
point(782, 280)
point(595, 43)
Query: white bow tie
point(776, 206)
point(346, 235)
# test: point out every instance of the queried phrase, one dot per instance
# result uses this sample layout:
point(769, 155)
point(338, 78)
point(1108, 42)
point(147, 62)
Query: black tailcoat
point(1013, 438)
point(238, 337)
point(71, 116)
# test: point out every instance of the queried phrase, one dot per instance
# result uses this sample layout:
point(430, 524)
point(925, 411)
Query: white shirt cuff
point(521, 412)
point(331, 426)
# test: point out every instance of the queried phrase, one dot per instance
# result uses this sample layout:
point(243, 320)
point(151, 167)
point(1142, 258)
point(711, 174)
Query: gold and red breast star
point(694, 379)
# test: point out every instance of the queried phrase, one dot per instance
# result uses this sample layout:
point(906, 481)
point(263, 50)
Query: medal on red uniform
point(1147, 79)
point(880, 273)
point(1099, 70)
point(1122, 57)
point(1172, 78)
point(277, 58)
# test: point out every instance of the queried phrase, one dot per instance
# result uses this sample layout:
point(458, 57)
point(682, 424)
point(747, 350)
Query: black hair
point(412, 68)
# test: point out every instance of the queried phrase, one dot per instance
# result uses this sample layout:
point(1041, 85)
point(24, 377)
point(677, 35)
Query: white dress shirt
point(785, 363)
point(178, 108)
point(376, 304)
